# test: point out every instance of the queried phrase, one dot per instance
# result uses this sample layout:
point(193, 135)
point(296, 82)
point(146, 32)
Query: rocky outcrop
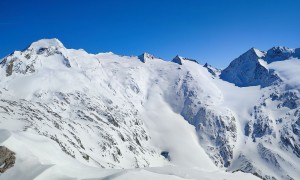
point(180, 60)
point(261, 124)
point(212, 70)
point(145, 57)
point(7, 159)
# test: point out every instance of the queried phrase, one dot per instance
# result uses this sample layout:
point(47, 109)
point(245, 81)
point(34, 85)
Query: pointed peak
point(46, 43)
point(179, 60)
point(256, 52)
point(206, 65)
point(146, 56)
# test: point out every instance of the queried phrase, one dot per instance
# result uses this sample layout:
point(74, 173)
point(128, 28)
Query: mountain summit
point(45, 44)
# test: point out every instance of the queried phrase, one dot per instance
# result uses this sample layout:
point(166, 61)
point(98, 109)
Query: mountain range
point(68, 114)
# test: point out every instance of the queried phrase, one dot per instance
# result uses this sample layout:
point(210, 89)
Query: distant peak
point(46, 43)
point(179, 60)
point(276, 50)
point(146, 56)
point(279, 53)
point(280, 48)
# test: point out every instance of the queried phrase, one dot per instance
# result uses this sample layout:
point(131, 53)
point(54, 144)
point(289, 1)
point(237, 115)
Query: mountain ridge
point(274, 52)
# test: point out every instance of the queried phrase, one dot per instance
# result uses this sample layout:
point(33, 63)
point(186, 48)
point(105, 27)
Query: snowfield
point(67, 114)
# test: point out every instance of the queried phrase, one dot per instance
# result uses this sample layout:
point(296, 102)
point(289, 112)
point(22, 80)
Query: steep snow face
point(108, 111)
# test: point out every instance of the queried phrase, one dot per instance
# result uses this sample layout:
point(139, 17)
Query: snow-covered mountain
point(68, 114)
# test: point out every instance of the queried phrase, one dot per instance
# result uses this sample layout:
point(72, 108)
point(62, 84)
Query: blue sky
point(207, 30)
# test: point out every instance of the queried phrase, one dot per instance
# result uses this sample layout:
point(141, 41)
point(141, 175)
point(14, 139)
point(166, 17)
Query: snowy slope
point(65, 112)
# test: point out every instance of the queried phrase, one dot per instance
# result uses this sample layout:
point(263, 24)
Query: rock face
point(7, 159)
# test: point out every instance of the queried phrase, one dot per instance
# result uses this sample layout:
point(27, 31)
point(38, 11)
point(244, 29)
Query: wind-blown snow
point(288, 71)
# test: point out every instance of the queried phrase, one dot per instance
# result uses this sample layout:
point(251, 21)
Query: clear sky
point(213, 31)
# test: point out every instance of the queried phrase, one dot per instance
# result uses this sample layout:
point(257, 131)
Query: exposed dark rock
point(67, 62)
point(9, 68)
point(166, 155)
point(211, 70)
point(179, 60)
point(145, 56)
point(7, 159)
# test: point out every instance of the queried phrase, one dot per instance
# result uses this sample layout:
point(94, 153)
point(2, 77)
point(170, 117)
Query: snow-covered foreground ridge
point(68, 114)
